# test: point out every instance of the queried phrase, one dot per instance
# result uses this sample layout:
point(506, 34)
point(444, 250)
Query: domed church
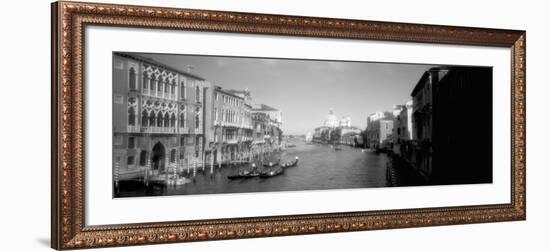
point(331, 119)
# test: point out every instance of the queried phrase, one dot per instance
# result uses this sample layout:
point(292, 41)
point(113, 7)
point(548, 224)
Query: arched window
point(183, 93)
point(152, 120)
point(173, 87)
point(159, 84)
point(153, 83)
point(145, 81)
point(197, 94)
point(159, 119)
point(131, 116)
point(166, 120)
point(173, 155)
point(143, 158)
point(144, 119)
point(182, 119)
point(197, 122)
point(167, 86)
point(197, 117)
point(173, 120)
point(132, 78)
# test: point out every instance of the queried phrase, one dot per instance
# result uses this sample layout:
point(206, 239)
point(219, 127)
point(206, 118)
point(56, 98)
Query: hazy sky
point(305, 90)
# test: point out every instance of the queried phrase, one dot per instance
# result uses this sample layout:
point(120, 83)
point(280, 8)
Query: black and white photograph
point(202, 124)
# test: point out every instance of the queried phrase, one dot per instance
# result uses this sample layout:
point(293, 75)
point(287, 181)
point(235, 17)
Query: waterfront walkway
point(401, 173)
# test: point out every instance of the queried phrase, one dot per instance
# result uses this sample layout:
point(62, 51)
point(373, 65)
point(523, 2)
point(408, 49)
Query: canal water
point(320, 167)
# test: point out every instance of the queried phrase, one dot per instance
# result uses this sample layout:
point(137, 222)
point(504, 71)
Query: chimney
point(189, 68)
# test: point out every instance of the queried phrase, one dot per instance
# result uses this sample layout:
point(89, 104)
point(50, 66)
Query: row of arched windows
point(158, 120)
point(231, 100)
point(153, 83)
point(161, 85)
point(232, 116)
point(161, 119)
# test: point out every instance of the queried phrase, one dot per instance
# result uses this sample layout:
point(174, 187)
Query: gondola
point(271, 164)
point(245, 174)
point(290, 163)
point(237, 176)
point(272, 172)
point(242, 175)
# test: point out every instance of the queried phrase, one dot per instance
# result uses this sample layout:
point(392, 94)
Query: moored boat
point(290, 163)
point(246, 173)
point(272, 172)
point(271, 164)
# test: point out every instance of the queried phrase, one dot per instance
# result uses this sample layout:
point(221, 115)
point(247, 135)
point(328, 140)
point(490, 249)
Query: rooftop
point(158, 64)
point(262, 107)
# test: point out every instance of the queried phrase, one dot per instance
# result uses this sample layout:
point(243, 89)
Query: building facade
point(267, 130)
point(350, 135)
point(452, 125)
point(232, 125)
point(158, 117)
point(402, 130)
point(379, 130)
point(422, 121)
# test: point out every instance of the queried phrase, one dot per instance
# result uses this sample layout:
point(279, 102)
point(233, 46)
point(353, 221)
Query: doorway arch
point(158, 157)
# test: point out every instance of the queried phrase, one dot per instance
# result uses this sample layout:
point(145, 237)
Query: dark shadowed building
point(452, 125)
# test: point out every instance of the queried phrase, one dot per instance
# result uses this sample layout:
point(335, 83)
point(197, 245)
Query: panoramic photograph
point(201, 124)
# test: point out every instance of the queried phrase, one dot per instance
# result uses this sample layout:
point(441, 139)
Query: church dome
point(331, 120)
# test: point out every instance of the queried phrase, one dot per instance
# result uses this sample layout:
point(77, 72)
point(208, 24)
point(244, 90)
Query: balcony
point(159, 94)
point(133, 128)
point(230, 124)
point(195, 131)
point(232, 140)
point(258, 141)
point(183, 130)
point(167, 130)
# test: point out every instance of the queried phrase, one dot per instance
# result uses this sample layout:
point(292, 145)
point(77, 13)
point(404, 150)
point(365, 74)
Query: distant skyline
point(305, 90)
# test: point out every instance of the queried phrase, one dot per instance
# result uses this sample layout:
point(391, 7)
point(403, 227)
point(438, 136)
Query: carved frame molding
point(68, 22)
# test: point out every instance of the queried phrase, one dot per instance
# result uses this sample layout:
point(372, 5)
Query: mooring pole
point(117, 164)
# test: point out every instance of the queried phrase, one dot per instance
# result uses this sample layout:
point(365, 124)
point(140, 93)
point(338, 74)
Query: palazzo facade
point(232, 125)
point(158, 117)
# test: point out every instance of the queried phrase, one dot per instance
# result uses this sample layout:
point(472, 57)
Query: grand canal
point(320, 167)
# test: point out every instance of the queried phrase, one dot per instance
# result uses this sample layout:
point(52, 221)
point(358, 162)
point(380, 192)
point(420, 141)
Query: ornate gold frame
point(68, 228)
